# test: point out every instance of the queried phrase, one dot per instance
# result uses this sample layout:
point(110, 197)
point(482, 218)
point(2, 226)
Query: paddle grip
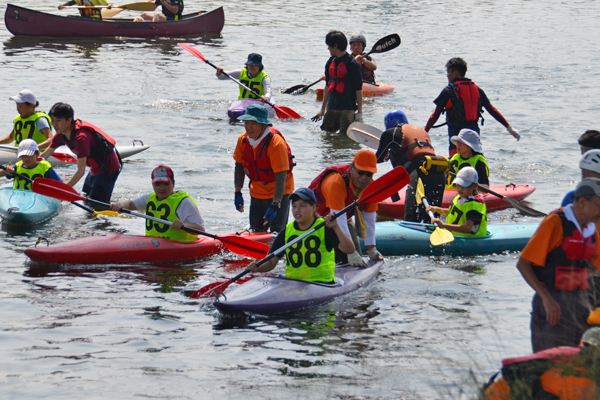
point(431, 214)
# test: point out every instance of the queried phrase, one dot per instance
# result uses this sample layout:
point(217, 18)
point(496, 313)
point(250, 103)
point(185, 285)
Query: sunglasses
point(361, 173)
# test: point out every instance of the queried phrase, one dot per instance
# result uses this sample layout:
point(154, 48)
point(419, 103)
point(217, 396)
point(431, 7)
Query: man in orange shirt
point(556, 263)
point(337, 187)
point(263, 154)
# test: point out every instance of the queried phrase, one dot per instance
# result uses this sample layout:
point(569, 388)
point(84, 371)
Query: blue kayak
point(402, 238)
point(237, 108)
point(24, 207)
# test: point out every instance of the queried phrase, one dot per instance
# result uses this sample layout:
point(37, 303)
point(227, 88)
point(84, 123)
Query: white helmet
point(591, 161)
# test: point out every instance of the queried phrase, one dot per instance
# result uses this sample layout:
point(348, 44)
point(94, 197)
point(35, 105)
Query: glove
point(238, 201)
point(358, 117)
point(318, 116)
point(271, 213)
point(374, 254)
point(356, 260)
point(514, 132)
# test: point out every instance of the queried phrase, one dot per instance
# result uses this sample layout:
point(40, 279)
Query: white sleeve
point(188, 213)
point(266, 82)
point(140, 202)
point(369, 219)
point(234, 74)
point(343, 223)
point(42, 123)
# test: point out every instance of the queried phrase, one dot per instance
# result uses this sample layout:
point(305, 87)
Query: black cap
point(304, 194)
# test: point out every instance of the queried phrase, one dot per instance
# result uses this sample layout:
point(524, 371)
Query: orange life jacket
point(260, 169)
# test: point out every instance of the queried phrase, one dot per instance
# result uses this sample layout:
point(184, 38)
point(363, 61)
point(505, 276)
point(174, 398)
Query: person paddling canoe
point(171, 11)
point(30, 166)
point(87, 12)
point(254, 76)
point(313, 259)
point(29, 124)
point(177, 207)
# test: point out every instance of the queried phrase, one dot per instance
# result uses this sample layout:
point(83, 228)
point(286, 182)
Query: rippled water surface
point(426, 328)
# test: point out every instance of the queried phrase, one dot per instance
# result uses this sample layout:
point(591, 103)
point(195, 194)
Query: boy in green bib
point(30, 166)
point(313, 259)
point(467, 216)
point(469, 153)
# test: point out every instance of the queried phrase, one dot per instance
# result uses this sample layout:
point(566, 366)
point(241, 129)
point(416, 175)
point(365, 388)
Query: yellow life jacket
point(26, 128)
point(456, 162)
point(166, 209)
point(39, 171)
point(253, 83)
point(457, 214)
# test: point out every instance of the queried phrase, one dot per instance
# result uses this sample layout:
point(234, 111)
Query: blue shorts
point(100, 187)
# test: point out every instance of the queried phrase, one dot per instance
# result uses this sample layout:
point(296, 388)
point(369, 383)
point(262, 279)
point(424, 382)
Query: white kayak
point(8, 154)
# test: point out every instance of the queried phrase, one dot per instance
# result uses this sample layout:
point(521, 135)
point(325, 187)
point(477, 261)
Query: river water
point(426, 328)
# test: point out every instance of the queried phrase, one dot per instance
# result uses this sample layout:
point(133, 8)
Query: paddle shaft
point(239, 83)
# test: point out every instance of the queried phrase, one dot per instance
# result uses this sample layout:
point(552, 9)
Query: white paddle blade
point(364, 134)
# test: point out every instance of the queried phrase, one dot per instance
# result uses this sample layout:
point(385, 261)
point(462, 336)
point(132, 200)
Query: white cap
point(27, 147)
point(591, 161)
point(470, 138)
point(466, 177)
point(24, 96)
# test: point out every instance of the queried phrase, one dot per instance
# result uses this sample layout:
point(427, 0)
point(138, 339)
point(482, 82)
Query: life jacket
point(170, 16)
point(89, 12)
point(457, 214)
point(253, 83)
point(316, 186)
point(567, 266)
point(309, 259)
point(260, 169)
point(368, 75)
point(337, 73)
point(26, 128)
point(39, 171)
point(464, 104)
point(457, 163)
point(167, 209)
point(105, 145)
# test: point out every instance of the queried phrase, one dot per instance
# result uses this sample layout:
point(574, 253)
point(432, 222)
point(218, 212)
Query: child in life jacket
point(30, 166)
point(469, 153)
point(467, 216)
point(254, 76)
point(313, 259)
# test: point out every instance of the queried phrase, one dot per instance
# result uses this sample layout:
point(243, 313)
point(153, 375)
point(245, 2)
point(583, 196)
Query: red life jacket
point(316, 187)
point(465, 103)
point(105, 145)
point(337, 72)
point(260, 169)
point(567, 266)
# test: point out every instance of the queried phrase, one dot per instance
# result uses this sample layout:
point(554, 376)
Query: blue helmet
point(394, 118)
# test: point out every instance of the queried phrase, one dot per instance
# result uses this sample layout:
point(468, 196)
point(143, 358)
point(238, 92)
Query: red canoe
point(118, 249)
point(25, 22)
point(389, 209)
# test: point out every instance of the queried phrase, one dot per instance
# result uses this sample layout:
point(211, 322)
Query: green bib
point(457, 214)
point(309, 259)
point(253, 83)
point(456, 162)
point(26, 128)
point(166, 209)
point(39, 171)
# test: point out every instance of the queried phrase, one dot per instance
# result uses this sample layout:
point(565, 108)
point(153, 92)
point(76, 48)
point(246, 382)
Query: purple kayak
point(269, 295)
point(237, 108)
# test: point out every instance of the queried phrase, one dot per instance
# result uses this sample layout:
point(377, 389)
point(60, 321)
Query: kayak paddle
point(378, 190)
point(364, 134)
point(142, 6)
point(26, 178)
point(521, 207)
point(387, 43)
point(234, 243)
point(282, 112)
point(439, 235)
point(300, 89)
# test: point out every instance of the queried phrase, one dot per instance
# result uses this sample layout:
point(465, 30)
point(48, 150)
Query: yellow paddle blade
point(143, 6)
point(109, 213)
point(441, 236)
point(420, 193)
point(111, 13)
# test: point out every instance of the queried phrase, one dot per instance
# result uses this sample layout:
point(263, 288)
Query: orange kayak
point(369, 89)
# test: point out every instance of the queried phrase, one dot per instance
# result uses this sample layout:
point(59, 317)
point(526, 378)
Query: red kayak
point(118, 249)
point(389, 209)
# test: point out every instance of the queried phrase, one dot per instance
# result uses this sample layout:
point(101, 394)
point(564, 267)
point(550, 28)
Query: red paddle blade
point(56, 189)
point(64, 157)
point(286, 112)
point(208, 290)
point(386, 186)
point(192, 50)
point(244, 246)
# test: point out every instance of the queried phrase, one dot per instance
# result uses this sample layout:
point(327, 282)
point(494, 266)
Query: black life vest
point(567, 266)
point(260, 169)
point(464, 104)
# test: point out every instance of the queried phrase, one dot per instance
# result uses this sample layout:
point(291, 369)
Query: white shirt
point(588, 230)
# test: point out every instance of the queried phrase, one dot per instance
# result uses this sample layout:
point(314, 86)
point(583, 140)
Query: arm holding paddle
point(466, 228)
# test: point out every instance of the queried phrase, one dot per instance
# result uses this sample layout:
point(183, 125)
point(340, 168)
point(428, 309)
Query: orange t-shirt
point(548, 237)
point(278, 155)
point(334, 191)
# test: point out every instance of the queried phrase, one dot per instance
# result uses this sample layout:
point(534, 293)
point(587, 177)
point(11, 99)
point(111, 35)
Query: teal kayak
point(410, 238)
point(24, 207)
